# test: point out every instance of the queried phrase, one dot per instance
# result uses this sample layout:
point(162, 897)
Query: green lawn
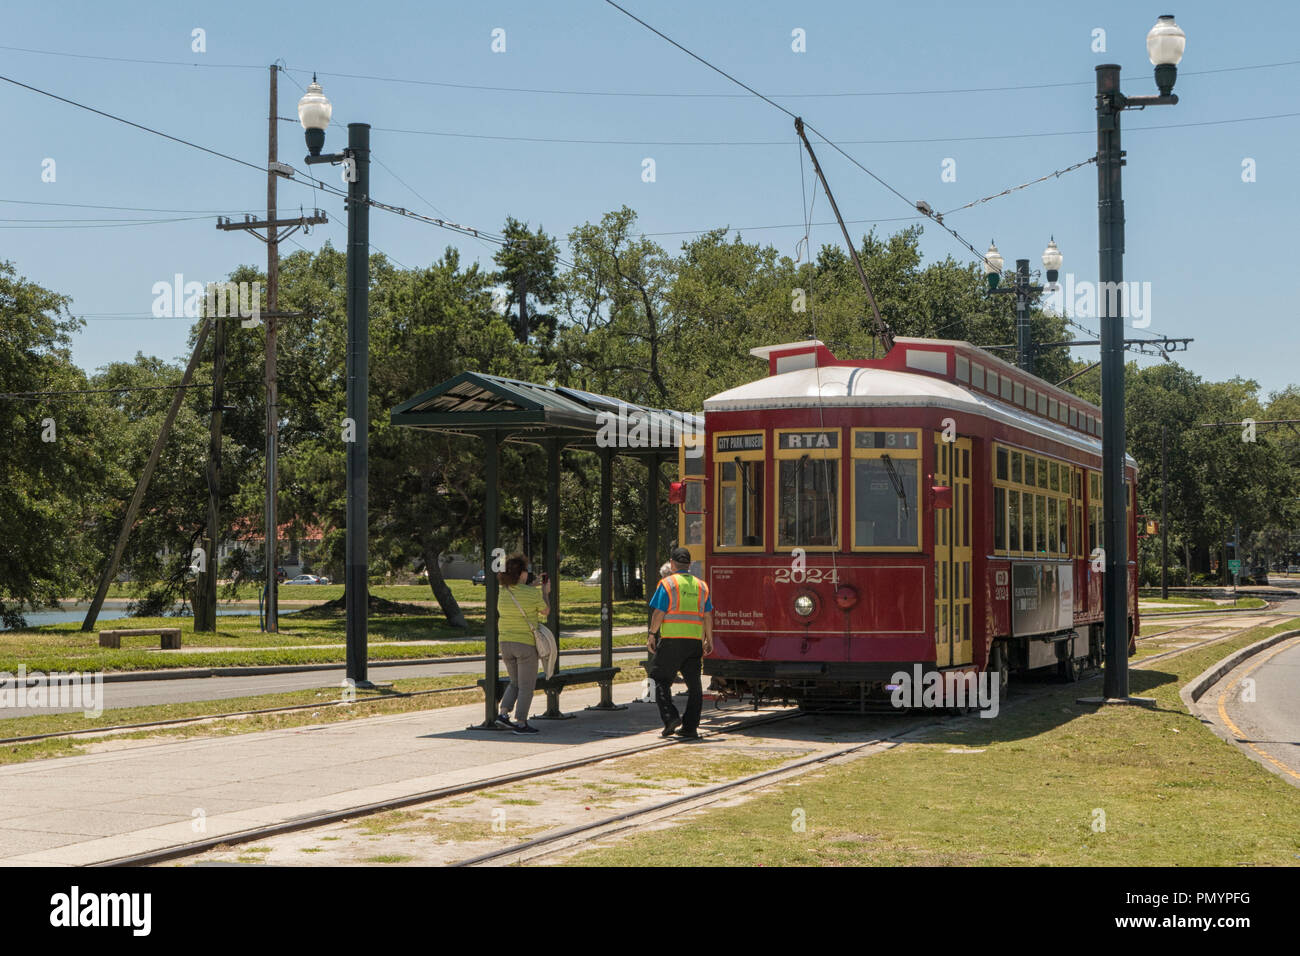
point(460, 590)
point(1048, 775)
point(237, 640)
point(1190, 603)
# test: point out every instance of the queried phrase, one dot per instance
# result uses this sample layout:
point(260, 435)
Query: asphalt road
point(118, 694)
point(1258, 704)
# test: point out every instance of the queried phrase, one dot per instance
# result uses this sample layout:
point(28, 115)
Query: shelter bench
point(170, 636)
point(604, 676)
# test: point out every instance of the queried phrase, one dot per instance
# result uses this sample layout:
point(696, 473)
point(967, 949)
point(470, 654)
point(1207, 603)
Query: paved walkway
point(149, 795)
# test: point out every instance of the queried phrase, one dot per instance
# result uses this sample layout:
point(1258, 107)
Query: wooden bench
point(170, 636)
point(604, 676)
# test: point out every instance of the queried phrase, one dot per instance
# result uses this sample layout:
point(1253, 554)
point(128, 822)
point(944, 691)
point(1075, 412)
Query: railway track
point(640, 818)
point(553, 843)
point(334, 816)
point(319, 705)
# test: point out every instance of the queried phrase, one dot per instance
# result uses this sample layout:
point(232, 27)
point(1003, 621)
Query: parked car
point(480, 577)
point(308, 579)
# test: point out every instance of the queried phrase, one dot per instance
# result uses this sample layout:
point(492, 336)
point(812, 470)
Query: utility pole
point(1165, 48)
point(356, 566)
point(271, 561)
point(205, 608)
point(521, 291)
point(133, 509)
point(1164, 514)
point(1026, 293)
point(272, 225)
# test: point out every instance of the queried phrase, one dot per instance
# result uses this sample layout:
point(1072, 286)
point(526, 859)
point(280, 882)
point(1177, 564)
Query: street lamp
point(1026, 293)
point(314, 112)
point(1052, 259)
point(993, 265)
point(1165, 44)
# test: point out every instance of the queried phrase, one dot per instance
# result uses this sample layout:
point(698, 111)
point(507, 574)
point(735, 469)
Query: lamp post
point(314, 112)
point(1025, 291)
point(1165, 44)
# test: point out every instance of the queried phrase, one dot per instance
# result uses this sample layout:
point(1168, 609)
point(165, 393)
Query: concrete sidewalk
point(148, 795)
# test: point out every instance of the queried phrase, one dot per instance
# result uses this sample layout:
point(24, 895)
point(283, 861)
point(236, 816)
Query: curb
point(1195, 690)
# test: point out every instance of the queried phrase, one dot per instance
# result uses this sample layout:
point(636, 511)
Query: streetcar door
point(691, 514)
point(952, 554)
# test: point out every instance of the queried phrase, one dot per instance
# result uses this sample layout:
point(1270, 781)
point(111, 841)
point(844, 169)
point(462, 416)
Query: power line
point(94, 223)
point(833, 95)
point(919, 206)
point(82, 205)
point(624, 93)
point(1009, 190)
point(128, 59)
point(575, 141)
point(147, 129)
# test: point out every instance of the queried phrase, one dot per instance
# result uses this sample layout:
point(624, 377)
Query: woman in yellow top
point(519, 609)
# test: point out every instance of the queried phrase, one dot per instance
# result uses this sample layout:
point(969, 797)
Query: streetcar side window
point(1095, 514)
point(739, 510)
point(1013, 521)
point(1033, 506)
point(886, 489)
point(999, 519)
point(808, 488)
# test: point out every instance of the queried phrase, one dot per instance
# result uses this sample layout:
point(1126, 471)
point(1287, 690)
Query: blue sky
point(1215, 250)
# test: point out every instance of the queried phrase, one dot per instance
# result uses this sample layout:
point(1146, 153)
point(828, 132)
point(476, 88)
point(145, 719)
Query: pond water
point(111, 610)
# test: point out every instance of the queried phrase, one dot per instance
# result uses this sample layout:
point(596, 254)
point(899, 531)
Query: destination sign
point(884, 439)
point(741, 442)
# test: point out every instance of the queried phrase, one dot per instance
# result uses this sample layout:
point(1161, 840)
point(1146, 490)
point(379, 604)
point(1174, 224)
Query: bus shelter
point(497, 410)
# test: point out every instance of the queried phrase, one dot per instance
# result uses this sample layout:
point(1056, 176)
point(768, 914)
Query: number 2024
point(809, 575)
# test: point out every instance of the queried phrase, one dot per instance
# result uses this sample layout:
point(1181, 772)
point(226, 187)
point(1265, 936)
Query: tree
point(51, 466)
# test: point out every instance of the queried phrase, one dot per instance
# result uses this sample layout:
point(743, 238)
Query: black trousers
point(673, 656)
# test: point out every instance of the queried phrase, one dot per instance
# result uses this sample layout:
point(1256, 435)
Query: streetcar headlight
point(804, 605)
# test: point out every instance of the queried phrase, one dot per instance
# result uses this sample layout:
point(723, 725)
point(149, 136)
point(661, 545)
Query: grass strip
point(1047, 782)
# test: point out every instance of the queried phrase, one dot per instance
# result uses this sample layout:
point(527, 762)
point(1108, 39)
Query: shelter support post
point(606, 576)
point(491, 523)
point(552, 561)
point(652, 560)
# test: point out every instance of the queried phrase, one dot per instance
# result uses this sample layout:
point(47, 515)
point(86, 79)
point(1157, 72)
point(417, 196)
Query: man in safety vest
point(681, 633)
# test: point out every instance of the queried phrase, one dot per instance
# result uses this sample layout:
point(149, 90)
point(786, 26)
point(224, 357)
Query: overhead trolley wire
point(615, 93)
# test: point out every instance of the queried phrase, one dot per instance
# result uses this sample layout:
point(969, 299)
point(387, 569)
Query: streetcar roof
point(857, 386)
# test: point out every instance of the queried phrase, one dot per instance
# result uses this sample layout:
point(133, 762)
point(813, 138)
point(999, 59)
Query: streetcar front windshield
point(885, 502)
point(809, 505)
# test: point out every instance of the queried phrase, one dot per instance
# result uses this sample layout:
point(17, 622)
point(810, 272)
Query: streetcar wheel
point(1068, 670)
point(1001, 666)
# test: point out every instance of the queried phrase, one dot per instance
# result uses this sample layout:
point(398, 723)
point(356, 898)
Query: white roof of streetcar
point(839, 386)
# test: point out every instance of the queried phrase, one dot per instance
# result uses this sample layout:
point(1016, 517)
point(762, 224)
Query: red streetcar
point(936, 507)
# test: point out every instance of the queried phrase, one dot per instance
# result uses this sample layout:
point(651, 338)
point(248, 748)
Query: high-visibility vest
point(687, 595)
